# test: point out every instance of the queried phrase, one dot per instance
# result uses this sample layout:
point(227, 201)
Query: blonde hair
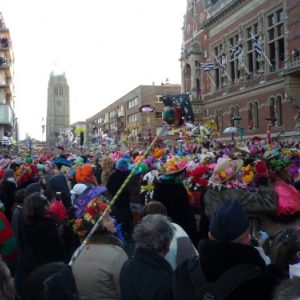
point(106, 163)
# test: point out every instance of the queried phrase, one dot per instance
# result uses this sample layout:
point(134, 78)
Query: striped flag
point(207, 66)
point(231, 50)
point(256, 45)
point(219, 63)
point(238, 52)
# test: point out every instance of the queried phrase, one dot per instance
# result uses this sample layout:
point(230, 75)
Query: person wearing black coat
point(227, 248)
point(147, 275)
point(122, 210)
point(43, 237)
point(174, 196)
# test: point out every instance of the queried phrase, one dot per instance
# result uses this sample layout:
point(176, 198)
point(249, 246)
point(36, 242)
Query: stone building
point(8, 120)
point(123, 114)
point(244, 83)
point(58, 108)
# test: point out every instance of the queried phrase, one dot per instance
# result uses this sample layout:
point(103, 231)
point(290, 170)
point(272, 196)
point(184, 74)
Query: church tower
point(58, 108)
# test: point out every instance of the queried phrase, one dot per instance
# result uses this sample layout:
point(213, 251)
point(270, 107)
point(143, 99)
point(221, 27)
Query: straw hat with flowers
point(175, 165)
point(225, 170)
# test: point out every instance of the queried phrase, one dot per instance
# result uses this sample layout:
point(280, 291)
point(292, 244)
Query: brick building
point(245, 83)
point(124, 114)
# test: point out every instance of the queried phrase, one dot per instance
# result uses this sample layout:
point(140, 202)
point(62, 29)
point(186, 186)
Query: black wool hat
point(32, 188)
point(229, 222)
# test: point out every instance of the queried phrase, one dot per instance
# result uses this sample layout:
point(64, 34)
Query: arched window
point(278, 111)
point(272, 108)
point(236, 114)
point(250, 116)
point(255, 114)
point(231, 116)
point(219, 120)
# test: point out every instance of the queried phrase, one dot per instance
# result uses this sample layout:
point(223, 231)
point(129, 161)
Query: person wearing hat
point(226, 183)
point(77, 190)
point(122, 209)
point(172, 192)
point(228, 246)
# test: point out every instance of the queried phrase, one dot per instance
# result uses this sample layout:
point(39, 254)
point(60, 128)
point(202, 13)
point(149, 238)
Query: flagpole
point(223, 68)
point(231, 47)
point(211, 79)
point(262, 50)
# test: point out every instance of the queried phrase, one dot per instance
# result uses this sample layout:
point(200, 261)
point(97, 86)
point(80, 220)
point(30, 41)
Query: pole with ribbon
point(163, 132)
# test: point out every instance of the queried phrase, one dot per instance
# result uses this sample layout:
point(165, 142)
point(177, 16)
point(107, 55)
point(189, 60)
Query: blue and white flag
point(219, 63)
point(238, 51)
point(256, 45)
point(207, 66)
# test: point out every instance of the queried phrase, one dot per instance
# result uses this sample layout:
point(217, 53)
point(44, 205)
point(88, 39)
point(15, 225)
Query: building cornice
point(222, 13)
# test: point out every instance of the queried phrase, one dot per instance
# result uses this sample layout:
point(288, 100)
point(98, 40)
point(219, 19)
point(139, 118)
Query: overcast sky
point(105, 48)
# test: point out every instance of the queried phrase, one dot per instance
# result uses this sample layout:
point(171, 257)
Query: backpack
point(228, 282)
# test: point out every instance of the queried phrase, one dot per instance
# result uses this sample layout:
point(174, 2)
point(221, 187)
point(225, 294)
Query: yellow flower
point(87, 216)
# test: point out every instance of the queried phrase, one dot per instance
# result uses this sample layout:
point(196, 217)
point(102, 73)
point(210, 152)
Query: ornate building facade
point(58, 108)
point(244, 83)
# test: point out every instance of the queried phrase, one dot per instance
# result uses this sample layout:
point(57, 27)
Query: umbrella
point(200, 131)
point(230, 130)
point(78, 130)
point(211, 124)
point(256, 139)
point(236, 118)
point(95, 135)
point(210, 129)
point(146, 108)
point(189, 125)
point(168, 142)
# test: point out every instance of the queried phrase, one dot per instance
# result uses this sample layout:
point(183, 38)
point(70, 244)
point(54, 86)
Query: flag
point(219, 63)
point(231, 50)
point(207, 66)
point(43, 125)
point(238, 51)
point(256, 45)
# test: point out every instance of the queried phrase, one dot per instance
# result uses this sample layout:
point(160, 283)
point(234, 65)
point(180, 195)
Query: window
point(56, 91)
point(276, 110)
point(61, 91)
point(132, 103)
point(231, 113)
point(252, 56)
point(217, 71)
point(219, 120)
point(275, 36)
point(133, 118)
point(158, 114)
point(112, 114)
point(135, 131)
point(158, 98)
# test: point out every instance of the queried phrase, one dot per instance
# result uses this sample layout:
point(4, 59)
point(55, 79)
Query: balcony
point(120, 114)
point(121, 128)
point(8, 86)
point(6, 114)
point(292, 66)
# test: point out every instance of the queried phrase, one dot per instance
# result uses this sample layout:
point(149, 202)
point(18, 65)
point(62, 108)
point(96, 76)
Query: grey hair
point(288, 289)
point(154, 233)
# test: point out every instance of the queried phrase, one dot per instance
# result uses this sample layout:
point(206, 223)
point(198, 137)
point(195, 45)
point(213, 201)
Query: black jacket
point(146, 276)
point(218, 257)
point(42, 242)
point(174, 197)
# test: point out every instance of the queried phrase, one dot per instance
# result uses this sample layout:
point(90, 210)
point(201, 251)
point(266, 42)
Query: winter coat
point(181, 248)
point(43, 241)
point(9, 189)
point(146, 276)
point(260, 207)
point(58, 183)
point(174, 197)
point(97, 270)
point(218, 257)
point(122, 209)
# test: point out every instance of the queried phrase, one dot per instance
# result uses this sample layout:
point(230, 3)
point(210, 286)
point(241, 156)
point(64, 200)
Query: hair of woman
point(34, 207)
point(51, 281)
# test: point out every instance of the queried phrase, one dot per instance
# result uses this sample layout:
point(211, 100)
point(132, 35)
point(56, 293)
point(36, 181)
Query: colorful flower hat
point(174, 165)
point(225, 170)
point(93, 211)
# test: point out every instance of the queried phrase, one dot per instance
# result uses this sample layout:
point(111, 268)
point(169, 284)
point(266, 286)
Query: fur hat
point(229, 222)
point(225, 170)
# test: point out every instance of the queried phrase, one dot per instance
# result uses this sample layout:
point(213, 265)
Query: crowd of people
point(206, 222)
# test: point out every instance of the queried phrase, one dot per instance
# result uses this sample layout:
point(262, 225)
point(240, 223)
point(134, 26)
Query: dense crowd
point(206, 222)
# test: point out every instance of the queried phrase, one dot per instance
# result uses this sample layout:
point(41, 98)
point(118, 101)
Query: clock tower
point(58, 108)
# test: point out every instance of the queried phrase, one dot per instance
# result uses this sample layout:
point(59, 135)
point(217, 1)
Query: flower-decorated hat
point(225, 170)
point(174, 165)
point(94, 209)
